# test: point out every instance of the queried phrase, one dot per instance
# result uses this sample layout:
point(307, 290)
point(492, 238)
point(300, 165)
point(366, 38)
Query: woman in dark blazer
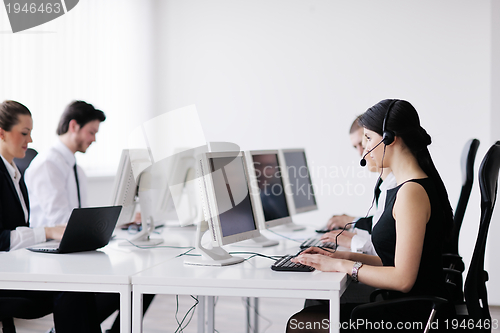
point(73, 312)
point(15, 134)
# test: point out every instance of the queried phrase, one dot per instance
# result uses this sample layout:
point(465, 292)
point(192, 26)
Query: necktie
point(77, 187)
point(377, 190)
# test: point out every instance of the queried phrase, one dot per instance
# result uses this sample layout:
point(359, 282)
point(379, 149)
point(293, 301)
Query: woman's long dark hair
point(404, 122)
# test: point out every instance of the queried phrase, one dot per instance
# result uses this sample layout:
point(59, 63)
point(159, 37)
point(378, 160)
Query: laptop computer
point(88, 229)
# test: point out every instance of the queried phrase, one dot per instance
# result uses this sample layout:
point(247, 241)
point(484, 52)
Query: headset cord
point(368, 212)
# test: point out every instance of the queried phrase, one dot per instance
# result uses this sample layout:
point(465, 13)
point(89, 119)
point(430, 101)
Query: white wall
point(295, 73)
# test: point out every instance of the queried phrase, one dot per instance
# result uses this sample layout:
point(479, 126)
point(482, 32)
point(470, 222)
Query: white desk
point(105, 270)
point(253, 278)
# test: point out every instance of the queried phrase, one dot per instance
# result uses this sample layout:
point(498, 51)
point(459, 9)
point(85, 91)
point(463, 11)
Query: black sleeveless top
point(430, 278)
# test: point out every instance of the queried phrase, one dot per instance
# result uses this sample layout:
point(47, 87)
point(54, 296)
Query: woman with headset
point(408, 236)
point(73, 312)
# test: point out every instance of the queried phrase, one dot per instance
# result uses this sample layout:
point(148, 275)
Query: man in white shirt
point(55, 183)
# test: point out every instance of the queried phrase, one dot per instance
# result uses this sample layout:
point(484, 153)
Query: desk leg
point(334, 311)
point(211, 314)
point(247, 301)
point(256, 315)
point(126, 310)
point(137, 317)
point(201, 314)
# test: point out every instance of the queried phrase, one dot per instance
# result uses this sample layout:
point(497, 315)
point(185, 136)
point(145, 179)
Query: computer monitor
point(166, 191)
point(175, 190)
point(228, 207)
point(268, 190)
point(297, 178)
point(127, 192)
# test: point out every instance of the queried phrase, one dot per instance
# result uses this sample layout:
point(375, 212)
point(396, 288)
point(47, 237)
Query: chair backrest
point(476, 297)
point(23, 163)
point(467, 165)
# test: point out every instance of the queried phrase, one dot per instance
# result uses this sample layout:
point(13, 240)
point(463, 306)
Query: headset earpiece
point(388, 135)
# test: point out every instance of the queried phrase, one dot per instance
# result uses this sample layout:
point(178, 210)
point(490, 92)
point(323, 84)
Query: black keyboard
point(285, 264)
point(317, 242)
point(324, 230)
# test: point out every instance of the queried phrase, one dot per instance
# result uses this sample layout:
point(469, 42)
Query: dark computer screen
point(233, 197)
point(272, 192)
point(300, 180)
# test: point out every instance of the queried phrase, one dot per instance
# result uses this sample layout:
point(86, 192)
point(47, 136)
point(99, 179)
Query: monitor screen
point(233, 198)
point(270, 183)
point(300, 180)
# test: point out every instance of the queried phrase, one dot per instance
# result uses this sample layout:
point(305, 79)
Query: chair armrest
point(454, 261)
point(437, 304)
point(452, 271)
point(378, 292)
point(451, 255)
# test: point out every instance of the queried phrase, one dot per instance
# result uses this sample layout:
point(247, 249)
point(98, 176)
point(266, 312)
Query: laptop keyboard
point(317, 242)
point(284, 264)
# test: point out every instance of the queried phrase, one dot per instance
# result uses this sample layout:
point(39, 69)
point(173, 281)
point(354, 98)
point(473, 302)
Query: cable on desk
point(154, 246)
point(254, 254)
point(186, 253)
point(191, 309)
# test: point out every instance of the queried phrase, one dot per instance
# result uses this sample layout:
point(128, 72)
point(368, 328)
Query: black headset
point(387, 135)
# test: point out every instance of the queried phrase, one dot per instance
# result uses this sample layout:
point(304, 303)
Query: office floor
point(230, 316)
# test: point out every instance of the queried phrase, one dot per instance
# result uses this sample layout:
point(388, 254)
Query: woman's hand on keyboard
point(321, 262)
point(344, 239)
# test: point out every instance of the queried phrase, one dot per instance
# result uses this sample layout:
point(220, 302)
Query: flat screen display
point(233, 196)
point(300, 180)
point(272, 192)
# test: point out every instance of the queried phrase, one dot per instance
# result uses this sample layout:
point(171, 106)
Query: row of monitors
point(245, 191)
point(242, 191)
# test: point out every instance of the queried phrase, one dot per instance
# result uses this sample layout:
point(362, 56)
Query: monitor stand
point(288, 227)
point(142, 238)
point(215, 256)
point(257, 242)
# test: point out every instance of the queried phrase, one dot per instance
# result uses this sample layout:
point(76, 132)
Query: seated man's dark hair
point(82, 112)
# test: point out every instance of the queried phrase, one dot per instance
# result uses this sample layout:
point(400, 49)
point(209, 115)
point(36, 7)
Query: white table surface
point(252, 278)
point(106, 270)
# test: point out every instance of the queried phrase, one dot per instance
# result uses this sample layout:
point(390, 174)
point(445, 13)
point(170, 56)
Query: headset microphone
point(363, 160)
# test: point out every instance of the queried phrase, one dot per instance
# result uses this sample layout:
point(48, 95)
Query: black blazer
point(11, 210)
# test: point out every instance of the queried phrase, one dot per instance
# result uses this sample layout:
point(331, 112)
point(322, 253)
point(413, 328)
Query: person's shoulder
point(414, 191)
point(49, 157)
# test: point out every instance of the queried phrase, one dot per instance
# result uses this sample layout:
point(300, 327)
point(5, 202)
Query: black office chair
point(476, 298)
point(467, 165)
point(15, 306)
point(23, 163)
point(451, 257)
